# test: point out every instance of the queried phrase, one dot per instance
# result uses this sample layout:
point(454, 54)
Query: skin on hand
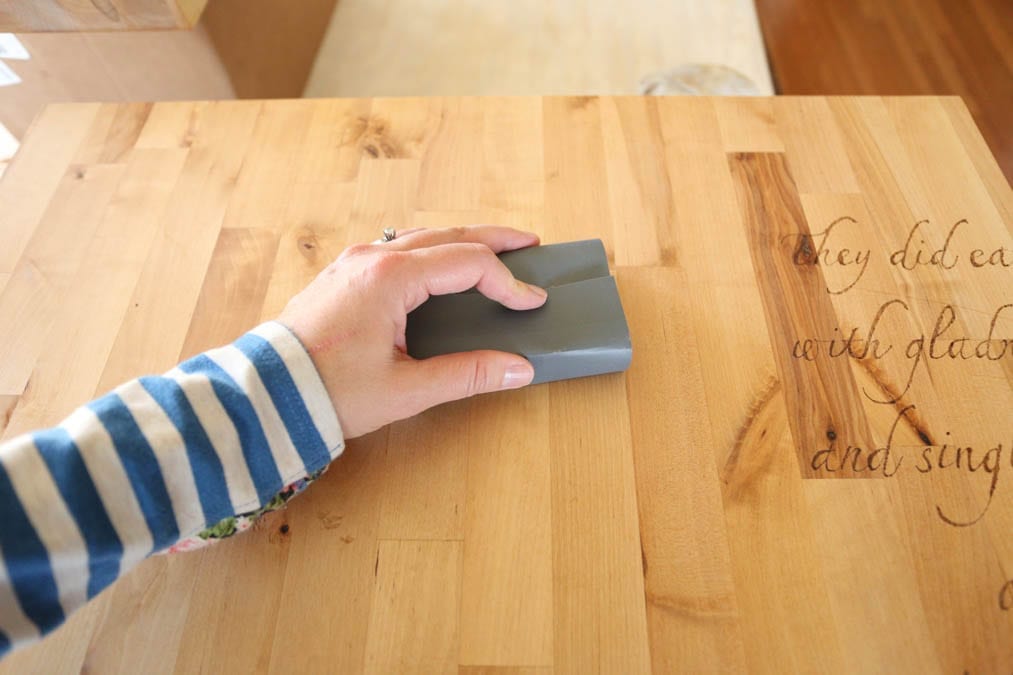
point(352, 320)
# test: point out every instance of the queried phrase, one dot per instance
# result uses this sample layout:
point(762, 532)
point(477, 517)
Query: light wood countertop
point(704, 512)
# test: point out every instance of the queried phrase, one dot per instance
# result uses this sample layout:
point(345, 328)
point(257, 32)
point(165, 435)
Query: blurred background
point(146, 50)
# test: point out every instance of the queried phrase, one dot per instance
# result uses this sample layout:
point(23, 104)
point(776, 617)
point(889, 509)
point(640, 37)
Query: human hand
point(352, 318)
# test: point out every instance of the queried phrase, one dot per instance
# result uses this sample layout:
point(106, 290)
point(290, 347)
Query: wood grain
point(411, 581)
point(595, 533)
point(692, 612)
point(32, 295)
point(796, 302)
point(669, 519)
point(334, 529)
point(899, 47)
point(508, 535)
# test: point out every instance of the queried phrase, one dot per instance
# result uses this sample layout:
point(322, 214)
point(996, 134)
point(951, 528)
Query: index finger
point(452, 268)
point(497, 238)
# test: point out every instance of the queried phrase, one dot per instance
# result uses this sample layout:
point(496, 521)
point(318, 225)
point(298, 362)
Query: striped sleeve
point(157, 460)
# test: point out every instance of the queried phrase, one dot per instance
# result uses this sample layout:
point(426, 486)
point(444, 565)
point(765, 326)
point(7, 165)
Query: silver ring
point(389, 233)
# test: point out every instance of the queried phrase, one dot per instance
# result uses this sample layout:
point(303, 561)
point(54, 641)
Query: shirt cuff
point(306, 379)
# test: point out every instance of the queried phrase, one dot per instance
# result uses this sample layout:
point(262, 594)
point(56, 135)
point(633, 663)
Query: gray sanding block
point(580, 330)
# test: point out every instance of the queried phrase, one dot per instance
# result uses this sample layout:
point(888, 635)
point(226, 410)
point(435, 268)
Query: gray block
point(581, 330)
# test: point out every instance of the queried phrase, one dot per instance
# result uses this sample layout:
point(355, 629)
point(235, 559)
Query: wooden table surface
point(757, 493)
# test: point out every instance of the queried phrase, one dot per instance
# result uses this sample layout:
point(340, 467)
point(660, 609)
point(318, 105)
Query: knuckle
point(354, 250)
point(386, 263)
point(458, 231)
point(479, 250)
point(479, 379)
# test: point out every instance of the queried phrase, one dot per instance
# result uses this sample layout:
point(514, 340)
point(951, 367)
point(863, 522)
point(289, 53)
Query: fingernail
point(518, 375)
point(540, 292)
point(530, 288)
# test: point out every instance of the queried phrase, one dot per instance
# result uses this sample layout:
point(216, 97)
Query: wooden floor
point(962, 47)
point(528, 47)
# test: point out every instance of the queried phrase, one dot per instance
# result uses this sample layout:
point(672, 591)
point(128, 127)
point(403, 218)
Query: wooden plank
point(719, 272)
point(889, 383)
point(164, 298)
point(210, 640)
point(968, 574)
point(814, 149)
point(91, 149)
point(593, 486)
point(315, 233)
point(506, 119)
point(59, 15)
point(957, 195)
point(413, 626)
point(748, 125)
point(507, 525)
point(889, 187)
point(821, 393)
point(702, 193)
point(172, 124)
point(989, 171)
point(692, 614)
point(425, 492)
point(576, 185)
point(36, 172)
point(234, 288)
point(959, 571)
point(503, 670)
point(385, 194)
point(772, 541)
point(508, 533)
point(34, 295)
point(640, 193)
point(333, 139)
point(144, 616)
point(66, 650)
point(513, 191)
point(598, 608)
point(271, 166)
point(450, 176)
point(127, 123)
point(844, 547)
point(955, 561)
point(400, 128)
point(745, 406)
point(80, 341)
point(334, 552)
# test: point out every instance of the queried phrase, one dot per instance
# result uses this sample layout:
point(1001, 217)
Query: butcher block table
point(808, 467)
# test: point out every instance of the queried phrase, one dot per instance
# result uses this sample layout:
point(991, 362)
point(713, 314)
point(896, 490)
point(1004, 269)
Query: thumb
point(450, 377)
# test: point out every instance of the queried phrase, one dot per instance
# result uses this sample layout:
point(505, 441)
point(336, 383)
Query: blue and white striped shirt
point(156, 460)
